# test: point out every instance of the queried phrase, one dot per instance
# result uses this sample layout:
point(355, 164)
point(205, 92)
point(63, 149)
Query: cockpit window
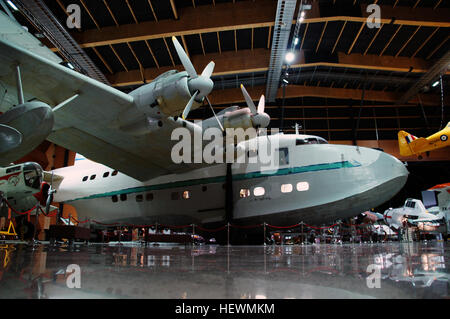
point(32, 175)
point(310, 140)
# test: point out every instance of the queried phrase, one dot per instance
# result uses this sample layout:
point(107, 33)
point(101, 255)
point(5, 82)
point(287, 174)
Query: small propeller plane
point(411, 145)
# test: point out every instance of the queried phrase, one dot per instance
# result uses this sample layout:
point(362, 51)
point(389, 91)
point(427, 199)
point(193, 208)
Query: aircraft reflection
point(411, 270)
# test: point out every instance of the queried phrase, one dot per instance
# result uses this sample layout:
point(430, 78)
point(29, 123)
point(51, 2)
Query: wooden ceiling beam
point(228, 16)
point(230, 96)
point(256, 60)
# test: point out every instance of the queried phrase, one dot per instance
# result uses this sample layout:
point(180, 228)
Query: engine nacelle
point(167, 94)
point(34, 120)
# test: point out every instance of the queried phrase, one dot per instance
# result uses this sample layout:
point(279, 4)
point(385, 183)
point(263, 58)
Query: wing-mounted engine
point(172, 93)
point(23, 128)
point(235, 117)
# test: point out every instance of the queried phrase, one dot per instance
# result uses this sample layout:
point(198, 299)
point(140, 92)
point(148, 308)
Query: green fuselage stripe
point(221, 179)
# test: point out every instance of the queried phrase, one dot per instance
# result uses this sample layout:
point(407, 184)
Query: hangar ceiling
point(339, 59)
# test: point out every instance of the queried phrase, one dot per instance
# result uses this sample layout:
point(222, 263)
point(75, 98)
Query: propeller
point(259, 117)
point(199, 85)
point(50, 193)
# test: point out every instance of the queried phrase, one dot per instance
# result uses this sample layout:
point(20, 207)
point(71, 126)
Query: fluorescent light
point(435, 84)
point(285, 81)
point(302, 14)
point(12, 5)
point(296, 41)
point(70, 65)
point(290, 56)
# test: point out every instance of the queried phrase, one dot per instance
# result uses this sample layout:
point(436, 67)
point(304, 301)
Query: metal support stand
point(20, 97)
point(303, 237)
point(228, 234)
point(264, 233)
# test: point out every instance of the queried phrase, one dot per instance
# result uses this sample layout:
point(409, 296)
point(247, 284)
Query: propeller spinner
point(259, 117)
point(199, 85)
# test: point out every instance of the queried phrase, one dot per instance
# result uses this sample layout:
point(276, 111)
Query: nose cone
point(202, 84)
point(261, 120)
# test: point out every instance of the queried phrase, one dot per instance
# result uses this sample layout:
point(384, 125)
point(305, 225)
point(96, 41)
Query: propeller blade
point(187, 109)
point(208, 70)
point(220, 125)
point(48, 203)
point(248, 100)
point(261, 104)
point(187, 64)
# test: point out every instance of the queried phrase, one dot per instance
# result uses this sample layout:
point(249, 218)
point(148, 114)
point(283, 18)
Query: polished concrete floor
point(388, 270)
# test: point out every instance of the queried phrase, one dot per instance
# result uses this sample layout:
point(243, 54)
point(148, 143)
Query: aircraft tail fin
point(410, 144)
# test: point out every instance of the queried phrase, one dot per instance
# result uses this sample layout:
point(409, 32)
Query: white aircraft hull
point(343, 181)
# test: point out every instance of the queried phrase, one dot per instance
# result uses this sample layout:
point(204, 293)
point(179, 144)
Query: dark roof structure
point(345, 83)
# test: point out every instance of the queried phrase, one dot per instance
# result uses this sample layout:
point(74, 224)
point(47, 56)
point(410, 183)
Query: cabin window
point(114, 198)
point(186, 194)
point(93, 177)
point(322, 141)
point(175, 196)
point(13, 169)
point(300, 142)
point(311, 140)
point(259, 191)
point(139, 198)
point(114, 173)
point(85, 178)
point(244, 192)
point(149, 197)
point(123, 197)
point(105, 174)
point(302, 186)
point(204, 188)
point(283, 156)
point(286, 188)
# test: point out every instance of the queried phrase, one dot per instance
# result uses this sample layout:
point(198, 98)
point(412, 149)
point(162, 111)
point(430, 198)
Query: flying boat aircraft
point(131, 177)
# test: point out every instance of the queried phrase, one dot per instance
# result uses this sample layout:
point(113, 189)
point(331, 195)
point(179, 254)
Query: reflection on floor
point(400, 270)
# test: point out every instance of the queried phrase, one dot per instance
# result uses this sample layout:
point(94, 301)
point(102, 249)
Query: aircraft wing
point(86, 121)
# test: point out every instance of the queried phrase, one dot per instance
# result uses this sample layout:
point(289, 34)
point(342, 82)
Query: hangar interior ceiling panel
point(345, 73)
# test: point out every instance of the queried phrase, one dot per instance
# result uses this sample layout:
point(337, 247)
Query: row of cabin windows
point(244, 192)
point(105, 174)
point(285, 188)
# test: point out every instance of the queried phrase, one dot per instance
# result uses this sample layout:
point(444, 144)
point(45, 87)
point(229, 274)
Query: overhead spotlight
point(290, 56)
point(302, 14)
point(12, 5)
point(285, 81)
point(296, 41)
point(435, 84)
point(70, 65)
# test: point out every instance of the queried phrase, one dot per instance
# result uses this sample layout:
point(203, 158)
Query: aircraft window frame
point(139, 198)
point(302, 189)
point(114, 198)
point(13, 169)
point(175, 196)
point(244, 193)
point(123, 197)
point(289, 189)
point(204, 188)
point(149, 197)
point(311, 140)
point(93, 176)
point(259, 191)
point(105, 174)
point(114, 173)
point(186, 194)
point(300, 141)
point(85, 178)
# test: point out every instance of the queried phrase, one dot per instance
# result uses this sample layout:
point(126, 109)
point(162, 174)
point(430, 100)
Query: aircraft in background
point(412, 145)
point(414, 212)
point(131, 133)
